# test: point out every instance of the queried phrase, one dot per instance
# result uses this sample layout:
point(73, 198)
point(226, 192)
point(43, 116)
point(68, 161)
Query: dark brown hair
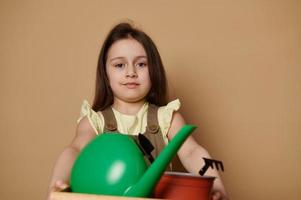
point(103, 92)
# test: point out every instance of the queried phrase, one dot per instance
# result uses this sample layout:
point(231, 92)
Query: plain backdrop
point(235, 66)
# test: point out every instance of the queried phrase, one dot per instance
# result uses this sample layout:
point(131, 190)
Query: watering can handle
point(148, 181)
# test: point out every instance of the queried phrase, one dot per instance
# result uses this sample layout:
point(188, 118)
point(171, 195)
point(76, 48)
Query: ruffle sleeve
point(96, 120)
point(165, 114)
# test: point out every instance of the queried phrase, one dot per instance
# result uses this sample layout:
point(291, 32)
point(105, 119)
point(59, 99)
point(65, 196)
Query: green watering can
point(113, 164)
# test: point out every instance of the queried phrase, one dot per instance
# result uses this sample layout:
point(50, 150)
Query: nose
point(131, 72)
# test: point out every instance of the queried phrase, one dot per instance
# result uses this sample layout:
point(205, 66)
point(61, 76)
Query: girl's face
point(127, 70)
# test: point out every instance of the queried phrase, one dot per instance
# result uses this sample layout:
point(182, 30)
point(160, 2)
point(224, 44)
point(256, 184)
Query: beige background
point(235, 65)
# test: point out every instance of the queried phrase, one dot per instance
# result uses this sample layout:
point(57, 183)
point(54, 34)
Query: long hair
point(103, 92)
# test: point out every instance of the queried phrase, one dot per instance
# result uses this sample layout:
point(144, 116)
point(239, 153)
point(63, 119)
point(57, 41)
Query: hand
point(216, 195)
point(59, 185)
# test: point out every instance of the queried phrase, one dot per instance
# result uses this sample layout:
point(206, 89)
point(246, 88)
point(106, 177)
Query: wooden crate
point(66, 195)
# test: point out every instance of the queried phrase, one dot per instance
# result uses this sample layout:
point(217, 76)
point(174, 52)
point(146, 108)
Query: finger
point(216, 196)
point(61, 184)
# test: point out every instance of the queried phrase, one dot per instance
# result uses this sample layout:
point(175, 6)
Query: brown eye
point(119, 65)
point(141, 64)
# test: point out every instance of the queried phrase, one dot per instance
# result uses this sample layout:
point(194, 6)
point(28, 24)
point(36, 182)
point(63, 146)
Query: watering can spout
point(148, 181)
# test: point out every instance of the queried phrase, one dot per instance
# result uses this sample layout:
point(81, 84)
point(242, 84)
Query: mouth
point(131, 85)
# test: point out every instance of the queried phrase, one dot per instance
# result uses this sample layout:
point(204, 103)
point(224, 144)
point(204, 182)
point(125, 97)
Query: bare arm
point(64, 163)
point(191, 154)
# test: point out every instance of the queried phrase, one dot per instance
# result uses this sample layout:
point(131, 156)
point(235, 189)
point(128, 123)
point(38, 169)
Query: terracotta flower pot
point(177, 185)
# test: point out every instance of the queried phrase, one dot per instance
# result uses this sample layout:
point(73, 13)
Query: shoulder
point(177, 119)
point(89, 116)
point(84, 133)
point(171, 106)
point(177, 122)
point(84, 125)
point(166, 114)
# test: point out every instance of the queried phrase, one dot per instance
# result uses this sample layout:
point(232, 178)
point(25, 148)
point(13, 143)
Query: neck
point(128, 108)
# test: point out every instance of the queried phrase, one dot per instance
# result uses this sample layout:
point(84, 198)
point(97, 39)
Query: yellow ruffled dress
point(131, 124)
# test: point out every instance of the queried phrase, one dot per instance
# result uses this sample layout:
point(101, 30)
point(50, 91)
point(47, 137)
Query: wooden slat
point(78, 196)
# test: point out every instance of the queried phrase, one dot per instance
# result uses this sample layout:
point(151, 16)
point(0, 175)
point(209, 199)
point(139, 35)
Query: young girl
point(131, 98)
